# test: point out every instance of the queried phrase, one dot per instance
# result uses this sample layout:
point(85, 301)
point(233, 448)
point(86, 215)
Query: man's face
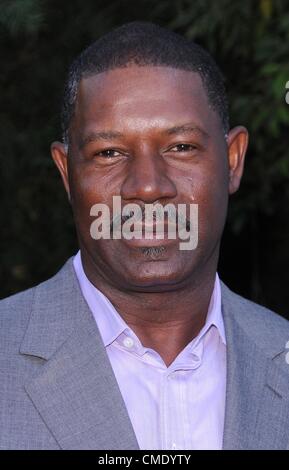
point(149, 135)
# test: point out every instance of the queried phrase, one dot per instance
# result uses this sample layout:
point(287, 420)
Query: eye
point(108, 153)
point(183, 148)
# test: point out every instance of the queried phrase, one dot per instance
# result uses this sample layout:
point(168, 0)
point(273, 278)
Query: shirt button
point(128, 342)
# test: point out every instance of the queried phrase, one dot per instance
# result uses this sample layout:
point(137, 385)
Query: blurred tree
point(248, 39)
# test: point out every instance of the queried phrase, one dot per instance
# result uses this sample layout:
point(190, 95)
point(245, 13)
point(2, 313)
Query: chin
point(151, 279)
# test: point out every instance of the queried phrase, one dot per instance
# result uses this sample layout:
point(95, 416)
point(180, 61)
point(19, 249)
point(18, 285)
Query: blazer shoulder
point(265, 326)
point(16, 309)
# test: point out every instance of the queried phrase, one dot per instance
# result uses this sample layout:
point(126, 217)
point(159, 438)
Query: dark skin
point(149, 135)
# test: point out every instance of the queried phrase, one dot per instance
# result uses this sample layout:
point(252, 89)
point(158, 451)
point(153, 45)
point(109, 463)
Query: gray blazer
point(58, 390)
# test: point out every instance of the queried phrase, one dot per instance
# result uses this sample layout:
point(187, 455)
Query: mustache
point(173, 217)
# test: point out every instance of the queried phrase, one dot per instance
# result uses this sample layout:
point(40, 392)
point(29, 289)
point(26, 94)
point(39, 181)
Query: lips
point(150, 235)
point(144, 233)
point(152, 229)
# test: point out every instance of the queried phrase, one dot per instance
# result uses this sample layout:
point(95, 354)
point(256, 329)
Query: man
point(136, 343)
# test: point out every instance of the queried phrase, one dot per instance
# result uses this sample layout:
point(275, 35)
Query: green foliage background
point(250, 41)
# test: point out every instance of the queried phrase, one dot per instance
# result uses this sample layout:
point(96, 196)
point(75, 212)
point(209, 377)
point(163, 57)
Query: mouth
point(150, 235)
point(149, 231)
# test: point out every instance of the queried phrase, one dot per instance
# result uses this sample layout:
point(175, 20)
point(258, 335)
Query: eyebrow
point(114, 135)
point(186, 128)
point(99, 135)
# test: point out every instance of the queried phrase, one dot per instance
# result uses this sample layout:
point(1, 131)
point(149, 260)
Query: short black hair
point(143, 43)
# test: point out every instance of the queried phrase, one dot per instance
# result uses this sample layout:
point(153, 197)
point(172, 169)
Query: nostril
point(148, 186)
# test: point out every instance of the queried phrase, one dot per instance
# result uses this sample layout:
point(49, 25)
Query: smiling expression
point(149, 135)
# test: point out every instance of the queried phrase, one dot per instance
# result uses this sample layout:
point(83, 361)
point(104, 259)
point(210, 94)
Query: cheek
point(87, 189)
point(90, 185)
point(207, 187)
point(213, 205)
point(204, 184)
point(84, 194)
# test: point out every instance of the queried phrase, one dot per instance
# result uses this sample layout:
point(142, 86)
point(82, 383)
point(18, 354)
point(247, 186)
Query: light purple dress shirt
point(177, 407)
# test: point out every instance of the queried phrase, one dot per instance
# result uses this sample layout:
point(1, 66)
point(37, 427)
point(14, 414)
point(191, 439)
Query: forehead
point(142, 97)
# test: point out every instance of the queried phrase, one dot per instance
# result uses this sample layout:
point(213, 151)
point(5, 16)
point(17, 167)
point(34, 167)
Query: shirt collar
point(214, 316)
point(111, 325)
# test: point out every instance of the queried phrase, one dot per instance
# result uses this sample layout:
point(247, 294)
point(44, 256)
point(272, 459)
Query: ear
point(60, 157)
point(237, 142)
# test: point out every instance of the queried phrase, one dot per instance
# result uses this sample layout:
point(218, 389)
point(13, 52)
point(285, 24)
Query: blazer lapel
point(257, 399)
point(76, 392)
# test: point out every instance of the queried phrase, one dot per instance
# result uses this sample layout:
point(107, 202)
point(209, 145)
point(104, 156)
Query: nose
point(147, 179)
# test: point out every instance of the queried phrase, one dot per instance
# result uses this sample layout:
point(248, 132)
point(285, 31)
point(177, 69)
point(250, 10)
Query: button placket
point(171, 378)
